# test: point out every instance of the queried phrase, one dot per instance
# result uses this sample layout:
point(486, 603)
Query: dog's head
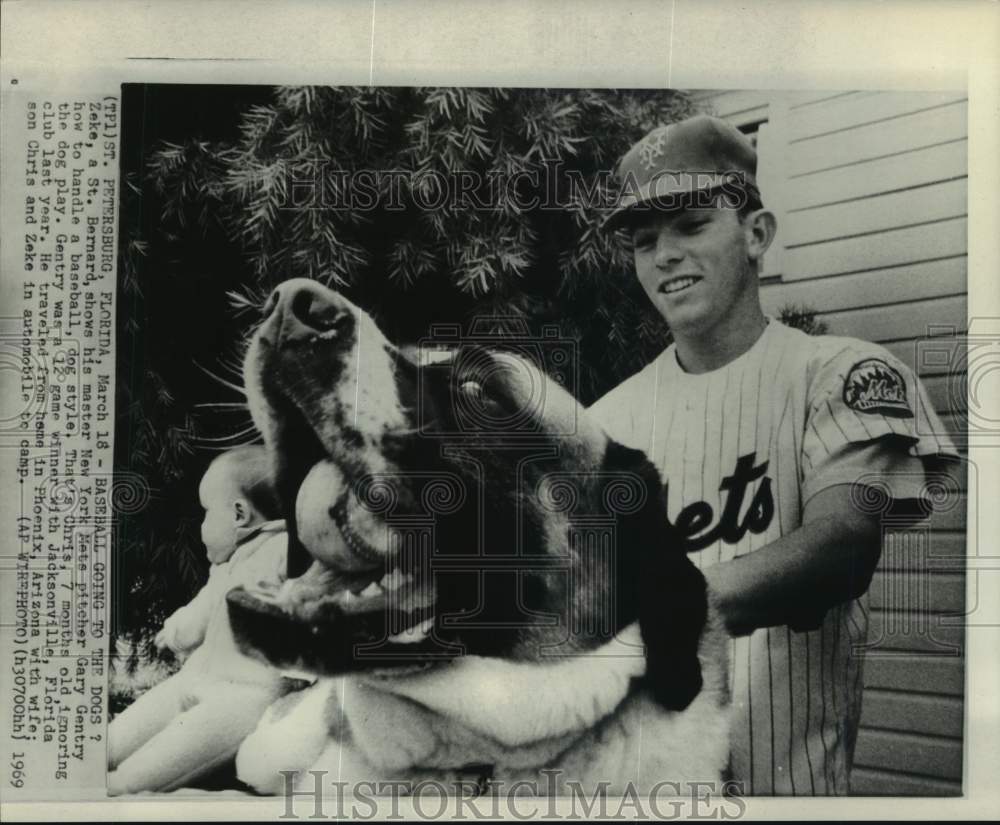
point(469, 505)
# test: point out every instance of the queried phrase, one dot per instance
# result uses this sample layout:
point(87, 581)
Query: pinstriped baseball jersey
point(741, 450)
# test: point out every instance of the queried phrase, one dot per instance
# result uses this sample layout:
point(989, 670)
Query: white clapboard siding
point(910, 244)
point(745, 106)
point(814, 97)
point(890, 634)
point(947, 393)
point(876, 140)
point(739, 107)
point(918, 590)
point(942, 551)
point(877, 782)
point(956, 474)
point(916, 354)
point(916, 753)
point(918, 673)
point(956, 425)
point(949, 518)
point(877, 287)
point(917, 205)
point(913, 713)
point(901, 321)
point(870, 190)
point(857, 109)
point(917, 167)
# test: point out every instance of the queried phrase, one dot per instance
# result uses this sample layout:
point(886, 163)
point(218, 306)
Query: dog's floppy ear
point(671, 592)
point(673, 607)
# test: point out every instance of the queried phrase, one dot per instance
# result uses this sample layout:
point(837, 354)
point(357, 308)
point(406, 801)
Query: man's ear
point(673, 608)
point(760, 227)
point(243, 514)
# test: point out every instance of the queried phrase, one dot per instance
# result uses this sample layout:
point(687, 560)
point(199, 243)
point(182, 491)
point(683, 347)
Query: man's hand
point(795, 580)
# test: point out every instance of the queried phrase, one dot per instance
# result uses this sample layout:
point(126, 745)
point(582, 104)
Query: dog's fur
point(523, 560)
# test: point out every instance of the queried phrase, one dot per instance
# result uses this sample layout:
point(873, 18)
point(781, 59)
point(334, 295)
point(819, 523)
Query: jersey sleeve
point(870, 421)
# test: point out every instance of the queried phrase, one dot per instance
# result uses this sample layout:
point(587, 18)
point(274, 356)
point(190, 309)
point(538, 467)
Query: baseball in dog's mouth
point(359, 548)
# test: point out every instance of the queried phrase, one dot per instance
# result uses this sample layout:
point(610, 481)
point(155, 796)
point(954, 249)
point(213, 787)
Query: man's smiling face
point(695, 267)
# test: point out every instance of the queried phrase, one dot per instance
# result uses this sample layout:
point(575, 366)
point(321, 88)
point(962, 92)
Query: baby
point(194, 721)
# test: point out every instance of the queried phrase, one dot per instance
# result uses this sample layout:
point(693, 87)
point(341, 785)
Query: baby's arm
point(185, 628)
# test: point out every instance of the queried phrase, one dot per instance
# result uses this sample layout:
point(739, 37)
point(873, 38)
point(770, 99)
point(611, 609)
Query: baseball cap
point(699, 154)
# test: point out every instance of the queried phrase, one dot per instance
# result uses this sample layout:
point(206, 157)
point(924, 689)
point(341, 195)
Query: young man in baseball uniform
point(773, 446)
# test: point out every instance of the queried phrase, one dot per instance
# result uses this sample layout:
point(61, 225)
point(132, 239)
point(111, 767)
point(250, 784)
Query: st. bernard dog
point(485, 584)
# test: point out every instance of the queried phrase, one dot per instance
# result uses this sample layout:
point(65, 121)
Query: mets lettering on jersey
point(730, 528)
point(742, 449)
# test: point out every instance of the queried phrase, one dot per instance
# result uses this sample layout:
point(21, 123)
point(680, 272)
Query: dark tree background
point(208, 229)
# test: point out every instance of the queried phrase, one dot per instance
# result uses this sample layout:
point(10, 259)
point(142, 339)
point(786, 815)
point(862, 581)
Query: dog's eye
point(473, 390)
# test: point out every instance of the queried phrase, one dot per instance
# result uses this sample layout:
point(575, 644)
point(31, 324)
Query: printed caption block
point(57, 361)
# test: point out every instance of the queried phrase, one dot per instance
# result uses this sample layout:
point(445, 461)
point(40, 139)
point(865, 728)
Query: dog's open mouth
point(347, 603)
point(330, 620)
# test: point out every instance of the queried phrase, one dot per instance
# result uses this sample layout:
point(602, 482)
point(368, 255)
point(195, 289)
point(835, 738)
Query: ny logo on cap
point(651, 149)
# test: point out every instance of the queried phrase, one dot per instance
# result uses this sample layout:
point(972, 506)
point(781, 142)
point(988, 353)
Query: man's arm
point(830, 559)
point(793, 581)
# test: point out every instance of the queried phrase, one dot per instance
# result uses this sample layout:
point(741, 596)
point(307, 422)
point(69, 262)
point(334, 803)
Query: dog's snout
point(319, 311)
point(305, 308)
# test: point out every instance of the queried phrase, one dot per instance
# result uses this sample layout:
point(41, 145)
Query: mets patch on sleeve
point(872, 386)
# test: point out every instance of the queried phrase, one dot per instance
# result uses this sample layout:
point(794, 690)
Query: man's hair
point(250, 469)
point(750, 205)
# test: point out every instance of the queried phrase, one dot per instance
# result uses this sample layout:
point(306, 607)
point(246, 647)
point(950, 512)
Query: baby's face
point(218, 494)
